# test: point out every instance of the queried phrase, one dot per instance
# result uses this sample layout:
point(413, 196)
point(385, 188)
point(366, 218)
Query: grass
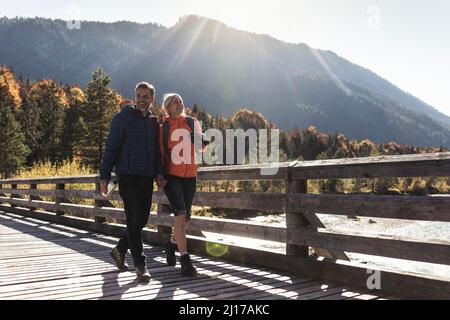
point(65, 169)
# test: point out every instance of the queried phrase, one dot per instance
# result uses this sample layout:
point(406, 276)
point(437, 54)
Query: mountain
point(225, 69)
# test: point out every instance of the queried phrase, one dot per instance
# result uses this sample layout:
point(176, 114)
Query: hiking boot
point(187, 269)
point(119, 259)
point(170, 254)
point(142, 274)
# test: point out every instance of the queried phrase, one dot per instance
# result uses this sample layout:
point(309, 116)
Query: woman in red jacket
point(177, 134)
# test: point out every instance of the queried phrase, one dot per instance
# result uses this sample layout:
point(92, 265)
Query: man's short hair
point(145, 84)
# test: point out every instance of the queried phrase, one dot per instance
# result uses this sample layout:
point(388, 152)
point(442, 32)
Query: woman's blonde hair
point(168, 97)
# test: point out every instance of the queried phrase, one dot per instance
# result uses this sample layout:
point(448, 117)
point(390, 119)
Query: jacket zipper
point(146, 150)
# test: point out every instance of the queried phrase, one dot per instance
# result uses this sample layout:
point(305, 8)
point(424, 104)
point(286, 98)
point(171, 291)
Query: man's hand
point(160, 181)
point(104, 186)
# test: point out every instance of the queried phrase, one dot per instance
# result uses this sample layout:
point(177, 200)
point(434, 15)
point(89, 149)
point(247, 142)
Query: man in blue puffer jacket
point(132, 149)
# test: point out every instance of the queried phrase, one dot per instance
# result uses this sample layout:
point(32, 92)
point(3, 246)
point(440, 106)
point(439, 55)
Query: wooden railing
point(303, 230)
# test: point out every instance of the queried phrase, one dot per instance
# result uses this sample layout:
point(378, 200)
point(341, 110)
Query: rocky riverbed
point(423, 230)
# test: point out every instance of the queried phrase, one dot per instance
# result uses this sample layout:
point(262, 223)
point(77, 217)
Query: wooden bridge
point(58, 249)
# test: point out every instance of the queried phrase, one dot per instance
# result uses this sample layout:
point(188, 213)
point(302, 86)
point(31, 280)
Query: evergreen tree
point(74, 126)
point(50, 101)
point(29, 120)
point(101, 105)
point(13, 151)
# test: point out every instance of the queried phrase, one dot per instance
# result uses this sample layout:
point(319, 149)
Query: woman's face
point(175, 108)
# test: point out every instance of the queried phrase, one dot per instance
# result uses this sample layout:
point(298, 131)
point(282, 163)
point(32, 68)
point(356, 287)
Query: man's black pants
point(136, 193)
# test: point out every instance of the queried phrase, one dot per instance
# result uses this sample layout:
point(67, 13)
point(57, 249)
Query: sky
point(403, 41)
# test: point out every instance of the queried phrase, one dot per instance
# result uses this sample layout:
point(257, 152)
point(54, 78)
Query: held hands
point(160, 181)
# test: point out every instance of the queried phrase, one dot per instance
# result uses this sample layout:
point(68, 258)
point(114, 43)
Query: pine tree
point(101, 104)
point(29, 120)
point(74, 126)
point(50, 101)
point(13, 151)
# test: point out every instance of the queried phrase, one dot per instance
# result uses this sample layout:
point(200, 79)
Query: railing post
point(13, 186)
point(99, 203)
point(1, 194)
point(296, 220)
point(301, 220)
point(58, 200)
point(33, 186)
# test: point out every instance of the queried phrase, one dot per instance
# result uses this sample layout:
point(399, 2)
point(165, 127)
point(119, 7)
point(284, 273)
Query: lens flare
point(216, 249)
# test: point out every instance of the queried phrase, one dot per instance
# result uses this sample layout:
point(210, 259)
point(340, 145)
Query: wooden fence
point(304, 229)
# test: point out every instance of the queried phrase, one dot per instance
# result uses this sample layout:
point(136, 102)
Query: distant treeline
point(46, 121)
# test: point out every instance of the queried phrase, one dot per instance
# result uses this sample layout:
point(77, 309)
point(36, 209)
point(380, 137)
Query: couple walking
point(139, 147)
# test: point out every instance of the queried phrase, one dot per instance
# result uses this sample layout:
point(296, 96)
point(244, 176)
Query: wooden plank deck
point(43, 260)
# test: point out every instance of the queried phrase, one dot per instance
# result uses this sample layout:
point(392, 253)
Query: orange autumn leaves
point(9, 88)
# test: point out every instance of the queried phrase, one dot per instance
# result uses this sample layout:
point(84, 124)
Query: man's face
point(144, 98)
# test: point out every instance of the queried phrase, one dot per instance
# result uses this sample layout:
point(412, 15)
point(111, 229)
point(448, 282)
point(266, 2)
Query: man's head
point(145, 96)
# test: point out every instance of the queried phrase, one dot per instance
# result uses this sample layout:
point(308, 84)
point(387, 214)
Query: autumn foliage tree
point(9, 89)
